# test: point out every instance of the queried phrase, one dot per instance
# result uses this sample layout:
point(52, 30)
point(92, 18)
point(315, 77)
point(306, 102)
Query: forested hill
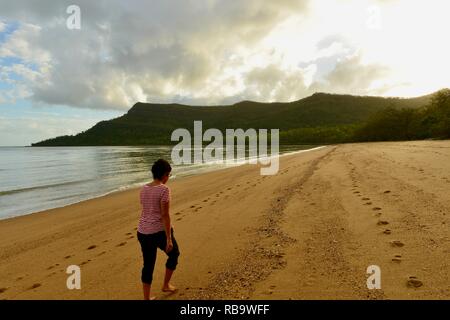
point(320, 118)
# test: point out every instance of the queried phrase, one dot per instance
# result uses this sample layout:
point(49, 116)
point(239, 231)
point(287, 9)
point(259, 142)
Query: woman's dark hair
point(160, 168)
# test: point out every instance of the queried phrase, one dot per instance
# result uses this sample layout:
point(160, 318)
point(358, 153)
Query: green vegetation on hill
point(429, 122)
point(318, 119)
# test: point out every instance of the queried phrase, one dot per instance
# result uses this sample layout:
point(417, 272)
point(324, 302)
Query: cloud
point(218, 51)
point(273, 84)
point(151, 51)
point(352, 75)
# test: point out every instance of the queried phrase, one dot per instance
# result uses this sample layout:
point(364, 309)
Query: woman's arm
point(165, 206)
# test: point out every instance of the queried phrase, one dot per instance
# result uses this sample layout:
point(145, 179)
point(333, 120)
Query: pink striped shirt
point(151, 199)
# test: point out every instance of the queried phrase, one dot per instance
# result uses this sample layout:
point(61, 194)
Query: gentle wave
point(68, 183)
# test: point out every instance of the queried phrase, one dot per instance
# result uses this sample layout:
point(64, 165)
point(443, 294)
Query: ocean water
point(39, 178)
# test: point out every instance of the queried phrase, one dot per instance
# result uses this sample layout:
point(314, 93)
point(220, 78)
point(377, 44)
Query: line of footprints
point(129, 236)
point(179, 215)
point(412, 281)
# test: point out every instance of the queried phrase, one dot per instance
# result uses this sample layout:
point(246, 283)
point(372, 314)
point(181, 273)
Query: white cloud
point(219, 51)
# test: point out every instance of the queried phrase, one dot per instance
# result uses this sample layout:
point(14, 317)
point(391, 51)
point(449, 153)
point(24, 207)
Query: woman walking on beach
point(154, 230)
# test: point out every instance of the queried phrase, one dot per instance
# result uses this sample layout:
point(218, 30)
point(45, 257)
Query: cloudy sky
point(55, 80)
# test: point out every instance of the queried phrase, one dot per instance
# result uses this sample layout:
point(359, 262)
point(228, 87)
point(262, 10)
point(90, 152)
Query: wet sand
point(309, 232)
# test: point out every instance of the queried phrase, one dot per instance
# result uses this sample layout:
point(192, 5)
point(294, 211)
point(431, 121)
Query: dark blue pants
point(149, 245)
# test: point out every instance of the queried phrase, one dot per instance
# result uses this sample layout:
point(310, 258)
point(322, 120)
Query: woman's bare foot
point(169, 288)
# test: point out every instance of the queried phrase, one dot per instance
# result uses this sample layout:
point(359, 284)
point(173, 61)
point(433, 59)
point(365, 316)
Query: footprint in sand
point(128, 234)
point(366, 199)
point(177, 213)
point(179, 219)
point(34, 286)
point(397, 243)
point(101, 253)
point(121, 244)
point(368, 203)
point(382, 223)
point(387, 191)
point(397, 258)
point(67, 257)
point(376, 209)
point(192, 207)
point(413, 282)
point(92, 247)
point(387, 231)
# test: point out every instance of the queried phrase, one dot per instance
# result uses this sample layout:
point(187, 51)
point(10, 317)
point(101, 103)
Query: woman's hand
point(169, 246)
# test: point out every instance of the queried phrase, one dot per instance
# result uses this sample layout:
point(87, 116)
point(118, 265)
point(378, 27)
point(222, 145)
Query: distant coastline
point(319, 119)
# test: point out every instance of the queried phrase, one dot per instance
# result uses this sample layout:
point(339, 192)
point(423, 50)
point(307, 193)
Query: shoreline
point(309, 232)
point(138, 185)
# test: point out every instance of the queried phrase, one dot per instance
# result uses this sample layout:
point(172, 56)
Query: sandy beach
point(309, 232)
